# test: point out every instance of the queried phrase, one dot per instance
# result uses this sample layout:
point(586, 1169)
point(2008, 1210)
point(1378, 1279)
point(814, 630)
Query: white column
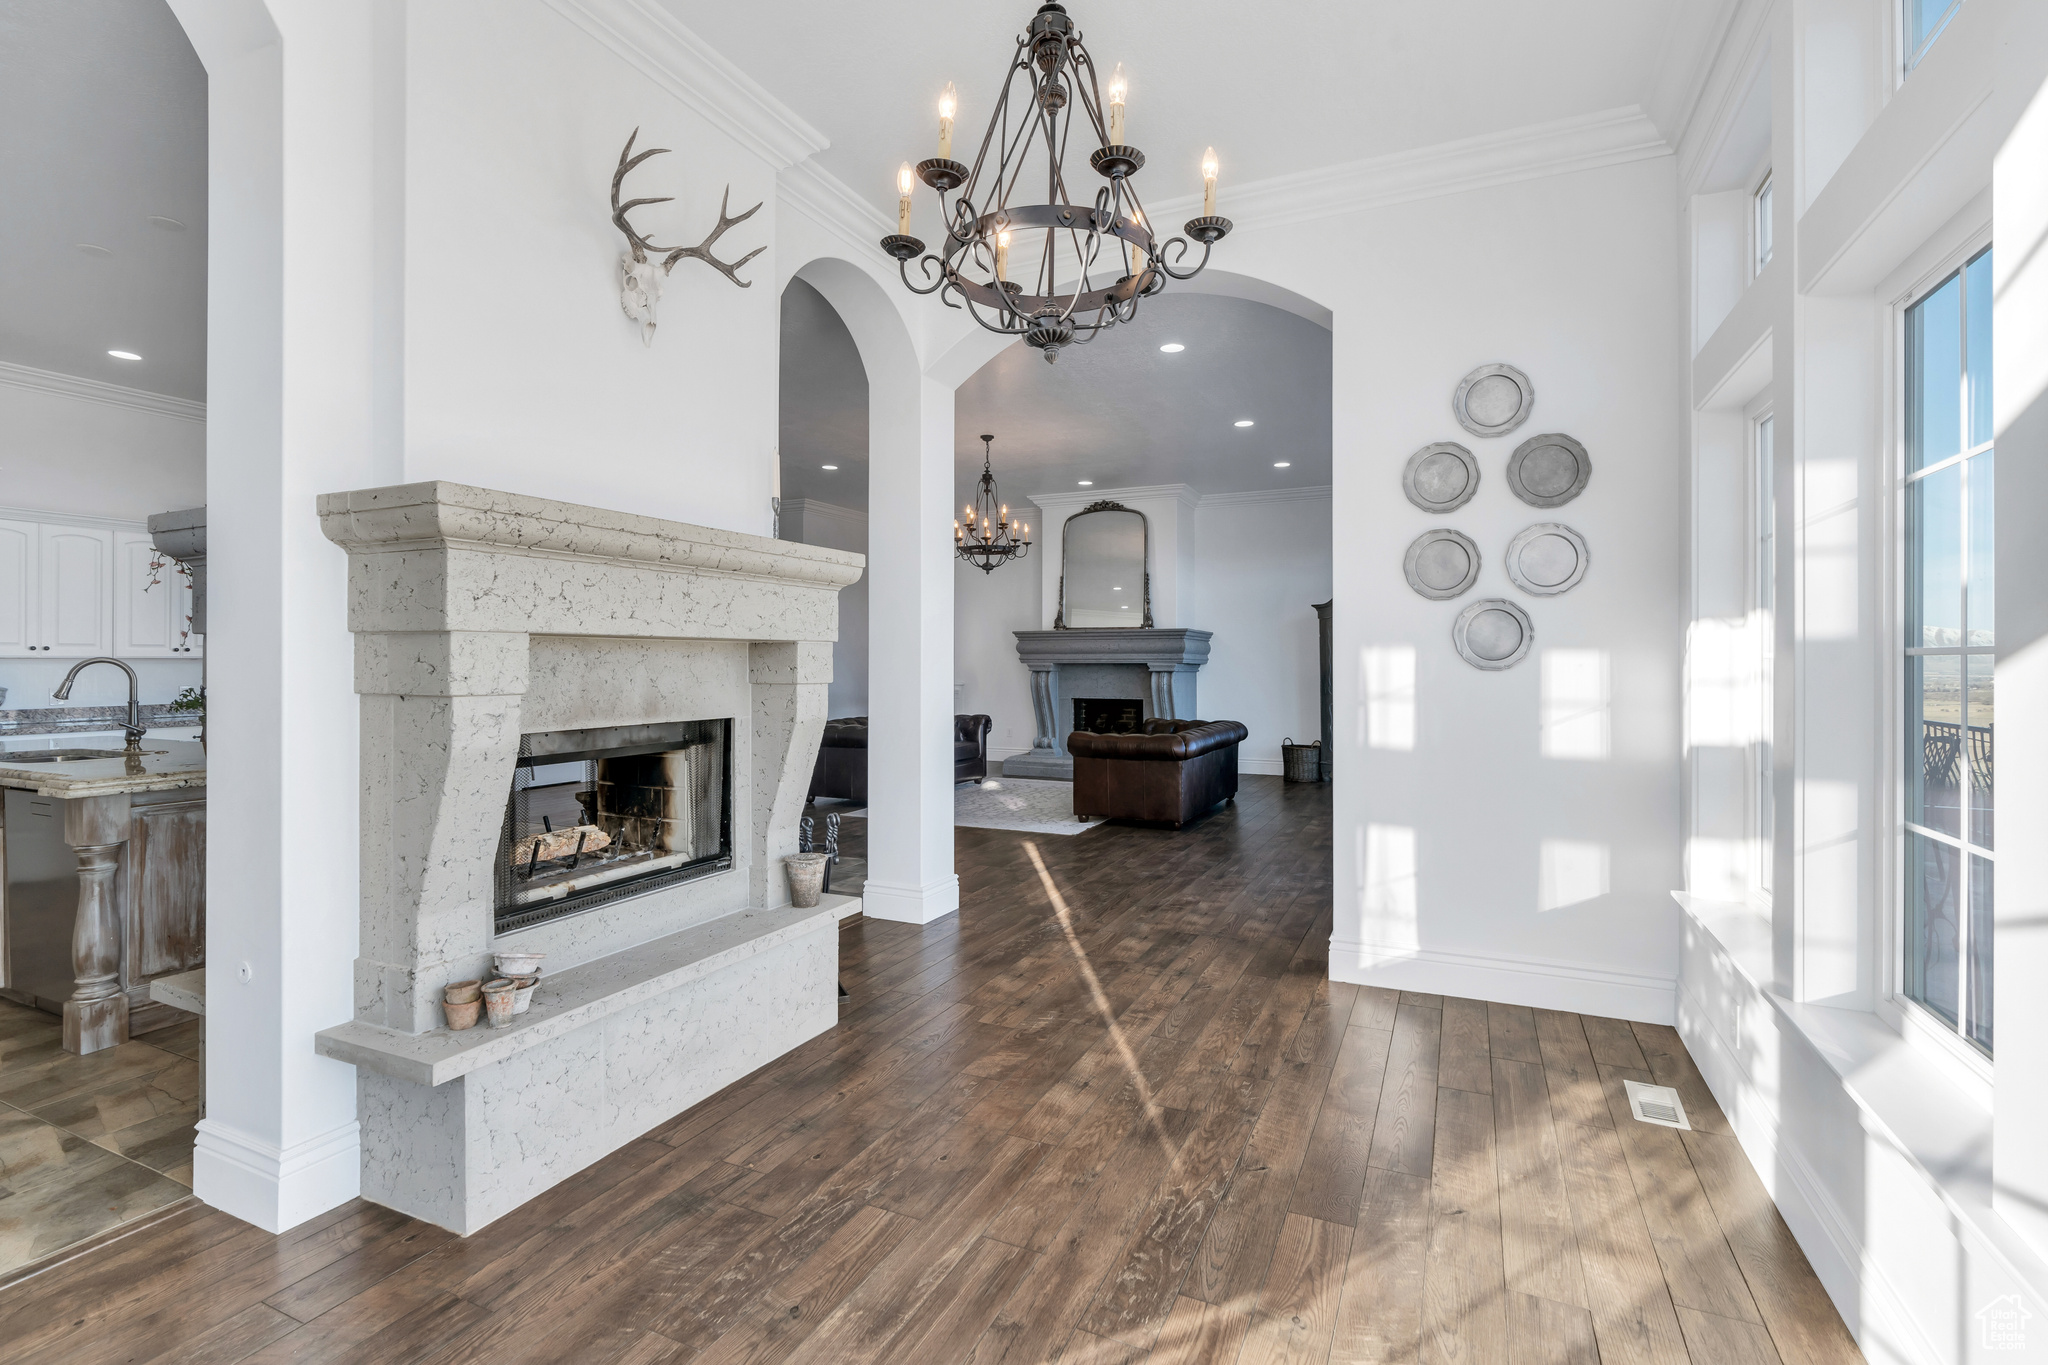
point(910, 649)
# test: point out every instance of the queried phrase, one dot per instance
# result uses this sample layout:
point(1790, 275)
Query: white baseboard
point(910, 904)
point(1512, 981)
point(275, 1188)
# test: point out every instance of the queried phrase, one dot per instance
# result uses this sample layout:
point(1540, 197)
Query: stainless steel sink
point(8, 760)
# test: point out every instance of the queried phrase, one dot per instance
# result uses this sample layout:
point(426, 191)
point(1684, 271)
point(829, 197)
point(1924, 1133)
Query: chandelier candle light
point(989, 537)
point(1105, 253)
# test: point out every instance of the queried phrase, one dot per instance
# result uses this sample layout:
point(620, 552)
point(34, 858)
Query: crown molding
point(1312, 493)
point(811, 507)
point(660, 47)
point(1148, 492)
point(829, 202)
point(1612, 137)
point(1740, 48)
point(95, 391)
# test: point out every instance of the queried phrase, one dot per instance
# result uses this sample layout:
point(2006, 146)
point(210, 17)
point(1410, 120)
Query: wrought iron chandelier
point(988, 537)
point(1111, 257)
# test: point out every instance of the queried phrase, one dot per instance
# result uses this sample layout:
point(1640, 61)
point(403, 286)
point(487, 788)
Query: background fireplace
point(1109, 715)
point(598, 815)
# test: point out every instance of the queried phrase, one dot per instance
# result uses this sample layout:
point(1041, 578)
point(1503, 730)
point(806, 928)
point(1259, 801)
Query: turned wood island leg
point(96, 1015)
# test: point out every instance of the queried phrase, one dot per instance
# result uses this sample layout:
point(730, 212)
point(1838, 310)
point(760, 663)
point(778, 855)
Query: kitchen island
point(105, 882)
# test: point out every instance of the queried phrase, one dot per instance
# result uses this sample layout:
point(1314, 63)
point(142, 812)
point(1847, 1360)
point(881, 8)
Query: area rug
point(1021, 804)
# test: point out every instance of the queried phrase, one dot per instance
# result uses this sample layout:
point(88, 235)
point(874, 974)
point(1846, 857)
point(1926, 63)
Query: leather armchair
point(1174, 771)
point(842, 767)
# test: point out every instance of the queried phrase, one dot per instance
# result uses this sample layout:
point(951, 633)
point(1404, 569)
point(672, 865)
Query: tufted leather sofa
point(1174, 771)
point(842, 767)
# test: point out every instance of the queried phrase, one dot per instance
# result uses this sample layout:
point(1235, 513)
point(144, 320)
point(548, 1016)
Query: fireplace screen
point(1108, 715)
point(599, 815)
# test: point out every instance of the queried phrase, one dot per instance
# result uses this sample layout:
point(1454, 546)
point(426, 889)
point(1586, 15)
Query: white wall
point(94, 450)
point(988, 608)
point(839, 528)
point(1512, 835)
point(1257, 567)
point(521, 372)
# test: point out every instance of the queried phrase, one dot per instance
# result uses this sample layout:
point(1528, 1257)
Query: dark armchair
point(842, 767)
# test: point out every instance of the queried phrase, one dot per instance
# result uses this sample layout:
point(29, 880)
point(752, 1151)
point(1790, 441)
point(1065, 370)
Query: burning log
point(559, 843)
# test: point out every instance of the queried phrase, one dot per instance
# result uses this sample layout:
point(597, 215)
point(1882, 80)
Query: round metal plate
point(1441, 564)
point(1549, 470)
point(1547, 559)
point(1441, 478)
point(1493, 633)
point(1493, 400)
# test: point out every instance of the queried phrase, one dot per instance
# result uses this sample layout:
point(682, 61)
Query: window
point(1947, 848)
point(1761, 226)
point(1763, 519)
point(1925, 19)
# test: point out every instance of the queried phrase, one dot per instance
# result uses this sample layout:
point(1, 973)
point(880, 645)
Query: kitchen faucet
point(134, 725)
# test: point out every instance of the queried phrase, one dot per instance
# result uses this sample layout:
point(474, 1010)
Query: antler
point(702, 251)
point(627, 161)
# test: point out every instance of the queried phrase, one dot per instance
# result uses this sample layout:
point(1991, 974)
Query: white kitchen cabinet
point(152, 610)
point(18, 579)
point(76, 591)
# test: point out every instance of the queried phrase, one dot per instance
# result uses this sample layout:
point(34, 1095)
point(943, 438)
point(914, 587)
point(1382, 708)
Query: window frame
point(1968, 1064)
point(1909, 55)
point(1760, 590)
point(1762, 230)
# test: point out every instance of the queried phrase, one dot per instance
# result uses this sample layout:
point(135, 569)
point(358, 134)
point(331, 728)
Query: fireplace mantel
point(480, 616)
point(1155, 666)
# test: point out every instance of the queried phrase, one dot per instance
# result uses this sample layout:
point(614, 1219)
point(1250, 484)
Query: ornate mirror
point(1103, 580)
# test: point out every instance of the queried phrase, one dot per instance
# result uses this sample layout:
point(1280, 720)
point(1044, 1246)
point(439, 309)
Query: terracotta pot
point(462, 992)
point(462, 1013)
point(806, 878)
point(522, 992)
point(518, 964)
point(498, 999)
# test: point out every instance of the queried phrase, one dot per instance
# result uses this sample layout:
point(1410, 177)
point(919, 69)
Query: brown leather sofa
point(1174, 771)
point(842, 767)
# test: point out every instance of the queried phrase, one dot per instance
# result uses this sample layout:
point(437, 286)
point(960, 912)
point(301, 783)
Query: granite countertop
point(59, 720)
point(162, 766)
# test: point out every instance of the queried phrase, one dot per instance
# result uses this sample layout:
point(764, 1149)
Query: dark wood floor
point(1112, 1112)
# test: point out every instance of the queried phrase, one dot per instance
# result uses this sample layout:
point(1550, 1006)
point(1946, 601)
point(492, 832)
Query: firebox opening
point(599, 815)
point(1108, 715)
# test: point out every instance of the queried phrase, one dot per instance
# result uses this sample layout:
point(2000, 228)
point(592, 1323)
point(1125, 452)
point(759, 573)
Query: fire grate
point(600, 815)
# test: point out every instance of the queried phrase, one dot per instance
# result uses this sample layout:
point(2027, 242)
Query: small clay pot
point(462, 992)
point(518, 964)
point(462, 1013)
point(498, 997)
point(806, 878)
point(522, 992)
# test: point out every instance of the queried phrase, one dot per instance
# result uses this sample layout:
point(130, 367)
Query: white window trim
point(1757, 185)
point(1910, 57)
point(1755, 414)
point(1927, 1032)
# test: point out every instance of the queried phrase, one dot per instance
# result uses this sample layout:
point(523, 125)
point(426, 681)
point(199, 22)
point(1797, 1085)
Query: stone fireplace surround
point(480, 616)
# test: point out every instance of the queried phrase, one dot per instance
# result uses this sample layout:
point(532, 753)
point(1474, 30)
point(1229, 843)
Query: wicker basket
point(1302, 762)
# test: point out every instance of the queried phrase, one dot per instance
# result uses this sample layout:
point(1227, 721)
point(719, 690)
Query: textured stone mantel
point(480, 616)
point(1058, 658)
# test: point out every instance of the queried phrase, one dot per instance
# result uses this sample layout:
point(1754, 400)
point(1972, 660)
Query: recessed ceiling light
point(1245, 422)
point(1125, 607)
point(157, 220)
point(124, 355)
point(90, 250)
point(1173, 348)
point(1281, 464)
point(1116, 589)
point(828, 466)
point(1087, 483)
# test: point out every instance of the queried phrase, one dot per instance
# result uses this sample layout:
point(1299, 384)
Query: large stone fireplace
point(1153, 669)
point(586, 734)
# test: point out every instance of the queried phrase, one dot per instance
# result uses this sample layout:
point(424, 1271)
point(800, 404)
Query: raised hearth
point(1155, 668)
point(535, 675)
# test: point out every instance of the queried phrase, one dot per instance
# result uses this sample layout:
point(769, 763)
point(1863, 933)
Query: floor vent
point(1658, 1104)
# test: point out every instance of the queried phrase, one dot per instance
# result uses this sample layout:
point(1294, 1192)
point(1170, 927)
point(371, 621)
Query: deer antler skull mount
point(641, 276)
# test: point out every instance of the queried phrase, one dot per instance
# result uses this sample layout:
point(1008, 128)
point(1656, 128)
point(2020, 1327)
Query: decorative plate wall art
point(1493, 633)
point(1547, 559)
point(1493, 400)
point(1549, 470)
point(1441, 477)
point(1442, 564)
